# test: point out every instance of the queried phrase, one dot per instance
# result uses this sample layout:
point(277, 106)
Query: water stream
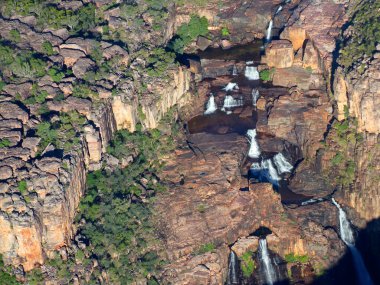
point(266, 263)
point(233, 270)
point(254, 149)
point(211, 106)
point(251, 73)
point(347, 236)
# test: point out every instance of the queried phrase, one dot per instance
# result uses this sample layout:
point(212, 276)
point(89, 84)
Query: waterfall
point(234, 71)
point(230, 86)
point(211, 106)
point(269, 31)
point(255, 96)
point(230, 102)
point(251, 73)
point(282, 164)
point(347, 235)
point(254, 150)
point(279, 9)
point(273, 175)
point(265, 171)
point(269, 272)
point(233, 270)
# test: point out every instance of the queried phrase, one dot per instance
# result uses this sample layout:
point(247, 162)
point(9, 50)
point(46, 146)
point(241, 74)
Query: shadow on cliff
point(344, 272)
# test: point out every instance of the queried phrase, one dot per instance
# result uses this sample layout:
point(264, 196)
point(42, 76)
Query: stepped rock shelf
point(272, 116)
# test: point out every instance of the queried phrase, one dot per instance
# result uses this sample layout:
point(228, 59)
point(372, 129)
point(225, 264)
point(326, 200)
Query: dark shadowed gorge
point(219, 142)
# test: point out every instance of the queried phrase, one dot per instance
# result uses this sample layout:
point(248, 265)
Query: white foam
point(282, 163)
point(231, 86)
point(251, 73)
point(254, 149)
point(211, 105)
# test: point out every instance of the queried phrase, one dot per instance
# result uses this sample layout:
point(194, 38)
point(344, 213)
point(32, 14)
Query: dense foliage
point(346, 136)
point(188, 32)
point(247, 264)
point(117, 208)
point(23, 64)
point(50, 15)
point(62, 133)
point(364, 35)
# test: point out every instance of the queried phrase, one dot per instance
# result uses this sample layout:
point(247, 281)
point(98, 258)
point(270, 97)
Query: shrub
point(47, 48)
point(208, 247)
point(5, 143)
point(247, 264)
point(186, 33)
point(14, 35)
point(293, 258)
point(225, 32)
point(266, 75)
point(55, 74)
point(337, 159)
point(22, 186)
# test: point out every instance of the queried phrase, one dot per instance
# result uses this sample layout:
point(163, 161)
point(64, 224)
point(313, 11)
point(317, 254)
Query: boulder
point(81, 67)
point(279, 54)
point(10, 110)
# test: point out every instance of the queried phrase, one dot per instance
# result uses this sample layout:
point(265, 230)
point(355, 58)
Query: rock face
point(279, 54)
point(320, 22)
point(208, 206)
point(299, 118)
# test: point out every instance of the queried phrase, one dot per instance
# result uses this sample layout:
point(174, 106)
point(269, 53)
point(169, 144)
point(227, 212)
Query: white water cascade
point(254, 149)
point(271, 175)
point(347, 235)
point(211, 105)
point(269, 272)
point(267, 164)
point(231, 86)
point(234, 71)
point(233, 267)
point(282, 163)
point(251, 73)
point(279, 9)
point(269, 31)
point(255, 96)
point(230, 102)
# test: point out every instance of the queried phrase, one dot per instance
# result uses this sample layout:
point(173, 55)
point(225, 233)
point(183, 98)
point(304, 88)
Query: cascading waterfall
point(347, 235)
point(254, 149)
point(255, 96)
point(230, 102)
point(231, 86)
point(266, 171)
point(279, 9)
point(265, 260)
point(211, 105)
point(273, 174)
point(251, 73)
point(234, 71)
point(282, 164)
point(269, 31)
point(233, 270)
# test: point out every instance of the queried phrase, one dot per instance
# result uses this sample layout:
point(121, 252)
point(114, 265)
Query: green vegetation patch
point(63, 134)
point(364, 34)
point(247, 264)
point(266, 74)
point(120, 223)
point(188, 32)
point(208, 247)
point(5, 143)
point(6, 275)
point(293, 258)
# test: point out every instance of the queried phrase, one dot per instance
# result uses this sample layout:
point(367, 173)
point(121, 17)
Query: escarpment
point(226, 142)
